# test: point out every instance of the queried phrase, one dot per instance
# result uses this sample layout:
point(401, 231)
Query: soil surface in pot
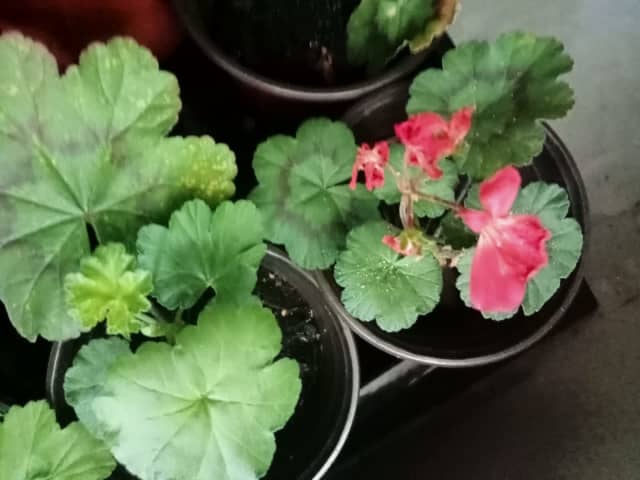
point(301, 42)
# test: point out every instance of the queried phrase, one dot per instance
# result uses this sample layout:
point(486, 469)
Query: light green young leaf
point(443, 187)
point(513, 83)
point(551, 203)
point(202, 409)
point(203, 249)
point(366, 44)
point(107, 288)
point(302, 194)
point(85, 148)
point(86, 379)
point(34, 447)
point(383, 286)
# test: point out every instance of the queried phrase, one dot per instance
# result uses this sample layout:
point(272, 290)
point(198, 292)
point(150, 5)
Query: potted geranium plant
point(442, 195)
point(326, 52)
point(181, 372)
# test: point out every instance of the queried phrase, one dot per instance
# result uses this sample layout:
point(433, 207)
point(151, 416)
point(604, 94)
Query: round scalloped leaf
point(204, 408)
point(86, 378)
point(383, 286)
point(34, 447)
point(443, 187)
point(513, 83)
point(203, 249)
point(107, 288)
point(88, 147)
point(302, 195)
point(550, 202)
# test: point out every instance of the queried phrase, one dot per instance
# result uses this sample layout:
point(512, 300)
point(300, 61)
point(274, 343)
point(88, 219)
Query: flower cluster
point(511, 249)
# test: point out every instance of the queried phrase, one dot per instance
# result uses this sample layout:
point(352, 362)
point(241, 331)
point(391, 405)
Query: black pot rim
point(569, 171)
point(291, 91)
point(274, 254)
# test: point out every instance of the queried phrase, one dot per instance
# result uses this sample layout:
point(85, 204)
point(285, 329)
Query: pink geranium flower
point(511, 249)
point(402, 246)
point(428, 138)
point(372, 161)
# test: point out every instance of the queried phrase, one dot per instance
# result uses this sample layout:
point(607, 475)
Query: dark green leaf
point(455, 233)
point(383, 286)
point(302, 196)
point(34, 447)
point(203, 249)
point(513, 83)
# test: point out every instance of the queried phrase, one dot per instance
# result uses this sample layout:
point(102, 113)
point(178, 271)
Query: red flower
point(511, 249)
point(428, 138)
point(372, 161)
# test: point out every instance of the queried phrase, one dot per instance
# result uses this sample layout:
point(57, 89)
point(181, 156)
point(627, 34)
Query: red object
point(372, 161)
point(428, 138)
point(66, 27)
point(511, 249)
point(396, 243)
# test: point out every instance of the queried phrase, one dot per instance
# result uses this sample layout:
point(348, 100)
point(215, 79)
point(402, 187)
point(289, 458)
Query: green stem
point(441, 201)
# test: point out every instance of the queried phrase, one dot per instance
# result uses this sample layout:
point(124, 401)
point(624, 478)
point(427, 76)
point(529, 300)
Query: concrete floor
point(569, 408)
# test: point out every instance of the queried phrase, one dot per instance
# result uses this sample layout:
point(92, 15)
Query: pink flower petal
point(372, 161)
point(461, 123)
point(498, 192)
point(510, 252)
point(476, 220)
point(493, 288)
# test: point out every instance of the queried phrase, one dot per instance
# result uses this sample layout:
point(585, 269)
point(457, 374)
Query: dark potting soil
point(23, 364)
point(301, 42)
point(300, 335)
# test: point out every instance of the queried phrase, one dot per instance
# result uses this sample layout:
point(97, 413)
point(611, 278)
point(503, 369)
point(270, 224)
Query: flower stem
point(441, 201)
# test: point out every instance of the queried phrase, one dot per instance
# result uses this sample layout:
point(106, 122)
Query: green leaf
point(379, 29)
point(455, 233)
point(203, 249)
point(366, 44)
point(108, 288)
point(513, 83)
point(383, 286)
point(301, 194)
point(86, 379)
point(550, 203)
point(86, 150)
point(204, 408)
point(444, 16)
point(399, 20)
point(34, 447)
point(443, 187)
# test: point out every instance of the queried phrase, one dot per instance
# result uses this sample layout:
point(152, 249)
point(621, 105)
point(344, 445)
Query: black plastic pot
point(323, 346)
point(454, 335)
point(274, 94)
